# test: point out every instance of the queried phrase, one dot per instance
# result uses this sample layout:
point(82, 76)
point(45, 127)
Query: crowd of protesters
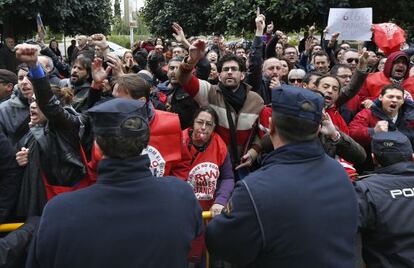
point(209, 107)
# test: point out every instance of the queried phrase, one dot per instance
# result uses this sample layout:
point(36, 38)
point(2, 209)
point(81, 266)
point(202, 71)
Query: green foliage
point(237, 17)
point(117, 9)
point(120, 26)
point(69, 16)
point(142, 27)
point(123, 40)
point(81, 16)
point(160, 14)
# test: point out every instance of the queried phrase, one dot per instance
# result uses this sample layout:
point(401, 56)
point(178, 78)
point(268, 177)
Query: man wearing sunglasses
point(351, 58)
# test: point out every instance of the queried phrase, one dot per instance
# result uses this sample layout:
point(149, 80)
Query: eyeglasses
point(230, 68)
point(206, 124)
point(344, 76)
point(295, 80)
point(350, 60)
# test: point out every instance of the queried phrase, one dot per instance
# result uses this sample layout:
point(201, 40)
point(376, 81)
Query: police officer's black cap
point(392, 144)
point(298, 102)
point(108, 117)
point(7, 76)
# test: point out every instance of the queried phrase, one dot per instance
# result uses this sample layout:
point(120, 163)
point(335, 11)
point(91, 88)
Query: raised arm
point(45, 98)
point(254, 72)
point(358, 79)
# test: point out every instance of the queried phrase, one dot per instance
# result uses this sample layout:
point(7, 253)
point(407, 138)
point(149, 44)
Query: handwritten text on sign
point(351, 23)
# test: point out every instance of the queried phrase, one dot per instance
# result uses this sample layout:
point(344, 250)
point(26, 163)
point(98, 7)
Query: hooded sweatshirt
point(374, 83)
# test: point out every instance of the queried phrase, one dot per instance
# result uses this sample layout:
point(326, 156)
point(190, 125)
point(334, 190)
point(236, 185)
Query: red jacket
point(165, 149)
point(204, 171)
point(337, 119)
point(361, 128)
point(374, 83)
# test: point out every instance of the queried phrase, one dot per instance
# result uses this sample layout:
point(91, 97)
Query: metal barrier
point(207, 215)
point(8, 227)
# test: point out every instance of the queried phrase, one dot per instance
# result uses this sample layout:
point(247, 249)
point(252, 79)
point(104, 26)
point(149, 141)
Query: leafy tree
point(160, 14)
point(18, 17)
point(80, 16)
point(117, 8)
point(231, 16)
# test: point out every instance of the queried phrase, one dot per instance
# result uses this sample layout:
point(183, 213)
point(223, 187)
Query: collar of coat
point(295, 153)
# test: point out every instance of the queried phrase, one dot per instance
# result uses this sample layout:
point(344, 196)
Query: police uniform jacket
point(129, 218)
point(298, 210)
point(386, 205)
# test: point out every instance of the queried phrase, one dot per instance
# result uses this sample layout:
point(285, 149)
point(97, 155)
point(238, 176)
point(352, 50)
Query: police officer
point(386, 203)
point(129, 218)
point(299, 209)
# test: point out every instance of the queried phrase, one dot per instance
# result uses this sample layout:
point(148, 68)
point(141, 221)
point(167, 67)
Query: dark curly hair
point(231, 57)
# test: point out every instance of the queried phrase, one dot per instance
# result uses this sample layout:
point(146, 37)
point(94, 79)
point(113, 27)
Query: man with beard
point(396, 71)
point(80, 81)
point(178, 100)
point(235, 102)
point(14, 113)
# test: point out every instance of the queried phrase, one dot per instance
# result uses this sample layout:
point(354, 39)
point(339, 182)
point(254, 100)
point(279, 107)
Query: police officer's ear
point(271, 127)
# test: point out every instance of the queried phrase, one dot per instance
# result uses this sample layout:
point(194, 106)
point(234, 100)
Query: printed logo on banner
point(390, 29)
point(157, 166)
point(203, 178)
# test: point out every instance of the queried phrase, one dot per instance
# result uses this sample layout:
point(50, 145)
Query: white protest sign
point(351, 23)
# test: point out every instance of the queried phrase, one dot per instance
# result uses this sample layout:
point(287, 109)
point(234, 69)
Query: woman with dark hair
point(52, 157)
point(54, 46)
point(210, 172)
point(205, 146)
point(285, 69)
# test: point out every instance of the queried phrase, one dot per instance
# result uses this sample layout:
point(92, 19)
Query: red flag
point(388, 37)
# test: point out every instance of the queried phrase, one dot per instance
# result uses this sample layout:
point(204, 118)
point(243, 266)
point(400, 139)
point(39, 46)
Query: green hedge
point(123, 40)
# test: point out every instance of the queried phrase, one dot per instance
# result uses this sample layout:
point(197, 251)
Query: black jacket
point(129, 218)
point(54, 150)
point(298, 210)
point(13, 246)
point(14, 117)
point(386, 208)
point(9, 178)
